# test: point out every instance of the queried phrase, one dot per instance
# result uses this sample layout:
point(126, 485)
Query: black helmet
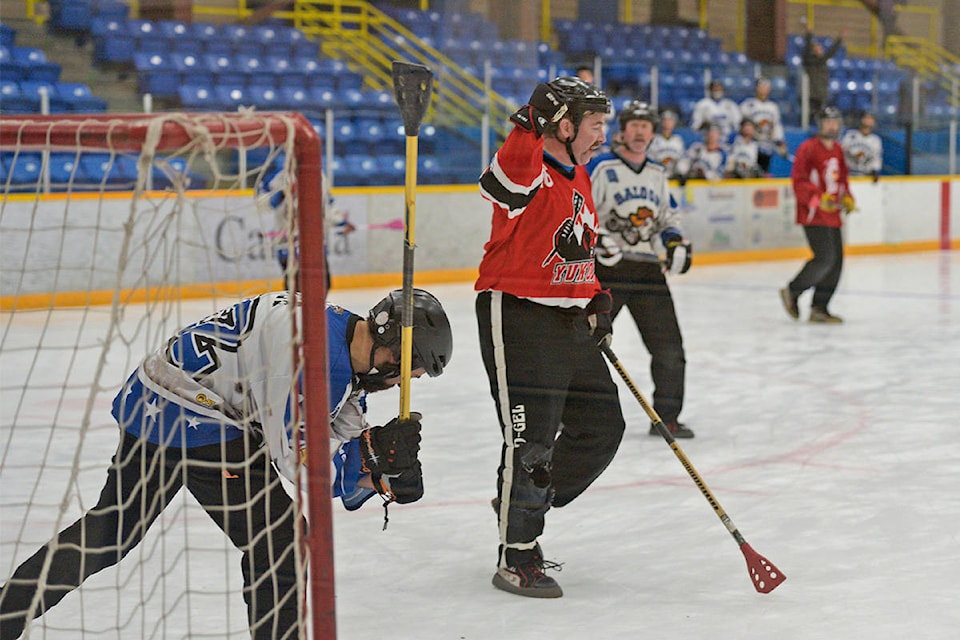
point(432, 338)
point(637, 110)
point(580, 97)
point(829, 113)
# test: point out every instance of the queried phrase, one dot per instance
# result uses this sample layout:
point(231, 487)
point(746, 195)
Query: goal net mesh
point(115, 233)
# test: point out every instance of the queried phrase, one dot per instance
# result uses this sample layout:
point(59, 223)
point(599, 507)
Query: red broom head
point(766, 577)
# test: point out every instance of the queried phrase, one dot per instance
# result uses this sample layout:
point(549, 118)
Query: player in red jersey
point(823, 194)
point(541, 315)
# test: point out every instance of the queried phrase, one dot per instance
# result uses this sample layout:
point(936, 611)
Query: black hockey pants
point(642, 288)
point(822, 272)
point(235, 483)
point(547, 376)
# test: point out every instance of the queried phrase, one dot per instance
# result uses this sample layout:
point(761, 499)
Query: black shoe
point(789, 301)
point(676, 429)
point(526, 577)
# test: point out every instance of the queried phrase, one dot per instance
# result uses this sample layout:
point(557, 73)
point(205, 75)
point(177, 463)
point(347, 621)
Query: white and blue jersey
point(635, 207)
point(233, 372)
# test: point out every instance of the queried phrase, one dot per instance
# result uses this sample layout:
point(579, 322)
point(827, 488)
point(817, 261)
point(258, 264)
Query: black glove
point(598, 317)
point(408, 486)
point(567, 245)
point(679, 252)
point(392, 449)
point(544, 107)
point(875, 175)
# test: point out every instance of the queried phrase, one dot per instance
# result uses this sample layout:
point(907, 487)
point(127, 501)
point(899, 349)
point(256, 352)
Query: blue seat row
point(117, 41)
point(163, 74)
point(76, 16)
point(89, 171)
point(27, 63)
point(228, 98)
point(65, 97)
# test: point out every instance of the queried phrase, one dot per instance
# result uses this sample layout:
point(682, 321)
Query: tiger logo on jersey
point(637, 227)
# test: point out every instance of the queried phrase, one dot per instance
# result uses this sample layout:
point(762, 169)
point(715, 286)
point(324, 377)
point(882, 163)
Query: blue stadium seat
point(34, 65)
point(255, 71)
point(112, 41)
point(165, 170)
point(322, 99)
point(265, 98)
point(210, 37)
point(32, 92)
point(71, 16)
point(295, 98)
point(230, 98)
point(344, 137)
point(101, 168)
point(78, 98)
point(224, 69)
point(370, 132)
point(360, 169)
point(64, 170)
point(391, 168)
point(23, 170)
point(9, 70)
point(8, 35)
point(174, 30)
point(156, 74)
point(198, 97)
point(303, 47)
point(344, 81)
point(148, 37)
point(192, 69)
point(12, 99)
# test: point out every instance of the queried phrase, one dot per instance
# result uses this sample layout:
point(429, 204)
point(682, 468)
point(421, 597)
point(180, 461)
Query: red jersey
point(818, 170)
point(544, 226)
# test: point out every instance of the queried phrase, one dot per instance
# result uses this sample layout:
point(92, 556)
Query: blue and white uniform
point(233, 372)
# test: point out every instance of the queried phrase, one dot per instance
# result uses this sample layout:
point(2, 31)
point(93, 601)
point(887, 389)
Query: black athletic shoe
point(676, 429)
point(526, 576)
point(789, 301)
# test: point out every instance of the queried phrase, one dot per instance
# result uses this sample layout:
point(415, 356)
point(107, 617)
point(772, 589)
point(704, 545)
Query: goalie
point(211, 411)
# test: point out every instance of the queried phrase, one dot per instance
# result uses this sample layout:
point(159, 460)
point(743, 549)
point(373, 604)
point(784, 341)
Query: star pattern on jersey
point(152, 410)
point(193, 423)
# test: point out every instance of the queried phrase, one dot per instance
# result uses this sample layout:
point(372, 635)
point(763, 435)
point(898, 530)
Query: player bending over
point(211, 411)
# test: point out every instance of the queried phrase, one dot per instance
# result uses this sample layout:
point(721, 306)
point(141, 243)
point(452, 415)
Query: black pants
point(547, 376)
point(822, 272)
point(642, 288)
point(237, 486)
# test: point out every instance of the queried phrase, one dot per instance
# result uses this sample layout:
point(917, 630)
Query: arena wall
point(730, 221)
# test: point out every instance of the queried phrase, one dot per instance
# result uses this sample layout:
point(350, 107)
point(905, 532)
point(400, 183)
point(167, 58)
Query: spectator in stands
point(716, 109)
point(705, 160)
point(585, 73)
point(765, 114)
point(863, 149)
point(742, 161)
point(815, 65)
point(667, 147)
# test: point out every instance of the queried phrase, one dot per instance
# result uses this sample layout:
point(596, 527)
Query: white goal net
point(117, 232)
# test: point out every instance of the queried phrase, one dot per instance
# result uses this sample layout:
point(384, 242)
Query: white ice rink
point(834, 449)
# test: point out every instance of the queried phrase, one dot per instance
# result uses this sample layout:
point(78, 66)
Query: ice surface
point(834, 449)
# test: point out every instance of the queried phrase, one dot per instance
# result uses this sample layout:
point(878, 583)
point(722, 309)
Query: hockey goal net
point(109, 248)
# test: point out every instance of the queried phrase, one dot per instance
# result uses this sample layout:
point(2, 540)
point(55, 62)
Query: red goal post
point(146, 135)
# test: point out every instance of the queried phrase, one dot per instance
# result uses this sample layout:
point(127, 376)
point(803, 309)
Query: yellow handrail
point(368, 39)
point(928, 60)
